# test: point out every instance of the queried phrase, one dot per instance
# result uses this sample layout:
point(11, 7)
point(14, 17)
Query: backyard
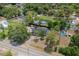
point(40, 29)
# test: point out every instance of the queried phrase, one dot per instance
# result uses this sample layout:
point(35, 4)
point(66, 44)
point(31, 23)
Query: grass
point(7, 52)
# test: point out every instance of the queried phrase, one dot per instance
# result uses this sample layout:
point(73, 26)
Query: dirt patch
point(39, 45)
point(64, 41)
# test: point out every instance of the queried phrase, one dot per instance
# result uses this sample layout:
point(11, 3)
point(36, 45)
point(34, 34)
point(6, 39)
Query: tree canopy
point(18, 32)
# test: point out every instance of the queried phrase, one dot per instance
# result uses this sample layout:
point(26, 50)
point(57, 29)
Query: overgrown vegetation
point(17, 32)
point(57, 16)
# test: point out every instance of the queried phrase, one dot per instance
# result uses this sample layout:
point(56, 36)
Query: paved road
point(22, 51)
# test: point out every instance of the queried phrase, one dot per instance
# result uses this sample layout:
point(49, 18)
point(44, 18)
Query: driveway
point(22, 51)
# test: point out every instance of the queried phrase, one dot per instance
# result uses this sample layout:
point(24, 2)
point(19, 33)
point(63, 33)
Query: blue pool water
point(62, 33)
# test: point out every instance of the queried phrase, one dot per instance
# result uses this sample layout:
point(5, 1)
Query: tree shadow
point(15, 43)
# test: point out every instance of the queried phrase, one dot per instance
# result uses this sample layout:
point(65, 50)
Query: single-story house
point(46, 30)
point(74, 22)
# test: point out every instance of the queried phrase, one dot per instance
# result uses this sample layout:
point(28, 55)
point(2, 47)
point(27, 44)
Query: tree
point(50, 38)
point(2, 35)
point(10, 11)
point(38, 8)
point(3, 32)
point(40, 33)
point(75, 40)
point(1, 7)
point(77, 30)
point(70, 51)
point(56, 25)
point(51, 41)
point(29, 17)
point(18, 32)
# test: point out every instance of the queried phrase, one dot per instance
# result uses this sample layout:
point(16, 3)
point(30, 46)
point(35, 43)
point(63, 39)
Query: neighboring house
point(74, 22)
point(46, 30)
point(34, 28)
point(39, 26)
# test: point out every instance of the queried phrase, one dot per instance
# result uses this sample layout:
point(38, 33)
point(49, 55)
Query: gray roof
point(40, 22)
point(40, 29)
point(43, 23)
point(36, 22)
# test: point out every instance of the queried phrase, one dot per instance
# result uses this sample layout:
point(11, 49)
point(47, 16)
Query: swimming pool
point(62, 33)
